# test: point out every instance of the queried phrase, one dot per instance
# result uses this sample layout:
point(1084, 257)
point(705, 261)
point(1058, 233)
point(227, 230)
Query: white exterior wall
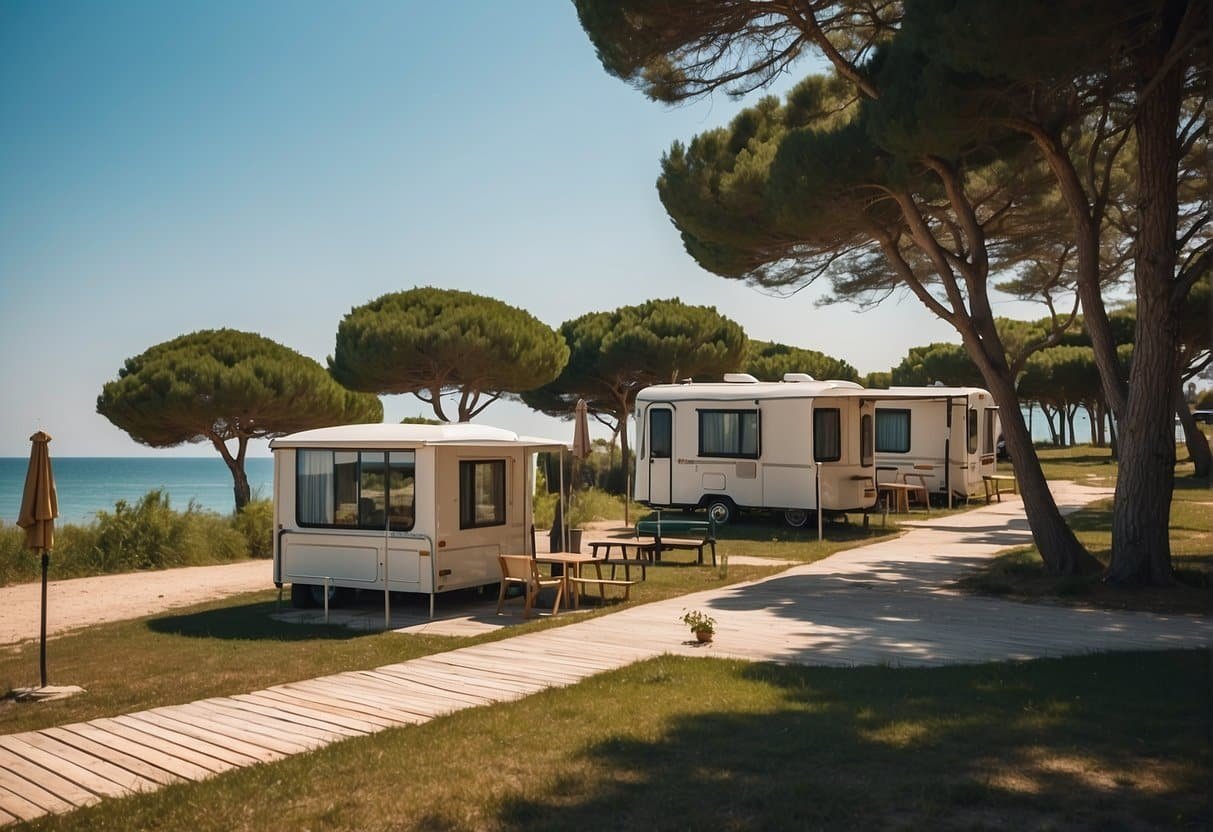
point(929, 447)
point(435, 556)
point(784, 474)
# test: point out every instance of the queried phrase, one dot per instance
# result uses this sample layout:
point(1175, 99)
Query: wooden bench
point(659, 529)
point(602, 584)
point(993, 484)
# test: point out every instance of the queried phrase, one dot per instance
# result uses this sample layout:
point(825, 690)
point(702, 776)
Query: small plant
point(701, 625)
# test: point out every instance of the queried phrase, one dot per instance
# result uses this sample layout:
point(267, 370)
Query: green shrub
point(148, 534)
point(256, 523)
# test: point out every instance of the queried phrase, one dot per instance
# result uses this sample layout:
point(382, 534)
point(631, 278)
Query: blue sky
point(169, 167)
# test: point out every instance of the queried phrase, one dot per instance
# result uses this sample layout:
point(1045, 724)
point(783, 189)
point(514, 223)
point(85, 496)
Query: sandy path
point(80, 602)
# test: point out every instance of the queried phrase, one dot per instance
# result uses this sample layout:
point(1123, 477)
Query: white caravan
point(920, 429)
point(401, 508)
point(746, 444)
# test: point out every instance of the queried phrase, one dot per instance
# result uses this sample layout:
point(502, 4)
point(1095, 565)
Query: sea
point(86, 485)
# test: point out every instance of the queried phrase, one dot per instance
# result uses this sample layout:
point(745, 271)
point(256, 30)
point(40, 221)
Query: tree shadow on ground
point(247, 622)
point(1074, 744)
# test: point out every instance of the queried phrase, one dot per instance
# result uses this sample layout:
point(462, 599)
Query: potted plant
point(701, 625)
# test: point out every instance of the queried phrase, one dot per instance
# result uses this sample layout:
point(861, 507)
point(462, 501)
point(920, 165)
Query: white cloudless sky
point(169, 167)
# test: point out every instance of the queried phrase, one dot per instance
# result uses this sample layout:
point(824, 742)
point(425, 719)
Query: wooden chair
point(524, 571)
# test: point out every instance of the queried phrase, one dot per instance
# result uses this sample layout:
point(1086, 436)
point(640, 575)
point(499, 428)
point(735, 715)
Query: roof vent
point(798, 377)
point(739, 378)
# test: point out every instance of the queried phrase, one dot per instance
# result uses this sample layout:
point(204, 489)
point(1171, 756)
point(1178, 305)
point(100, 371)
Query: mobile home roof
point(412, 436)
point(746, 391)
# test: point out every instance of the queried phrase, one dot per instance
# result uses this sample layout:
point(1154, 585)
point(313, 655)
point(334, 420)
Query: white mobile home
point(748, 444)
point(405, 508)
point(940, 437)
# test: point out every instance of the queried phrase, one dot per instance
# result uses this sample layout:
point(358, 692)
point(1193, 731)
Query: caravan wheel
point(797, 518)
point(721, 510)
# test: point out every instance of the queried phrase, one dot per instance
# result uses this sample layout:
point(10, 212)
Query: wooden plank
point(20, 807)
point(84, 778)
point(271, 725)
point(170, 742)
point(241, 729)
point(212, 739)
point(460, 698)
point(329, 691)
point(586, 664)
point(5, 817)
point(526, 674)
point(476, 676)
point(142, 747)
point(98, 765)
point(342, 706)
point(140, 767)
point(62, 788)
point(484, 685)
point(378, 695)
point(325, 714)
point(416, 692)
point(479, 695)
point(289, 715)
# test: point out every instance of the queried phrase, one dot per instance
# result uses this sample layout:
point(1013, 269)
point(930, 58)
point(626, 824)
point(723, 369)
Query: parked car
point(1205, 416)
point(1000, 447)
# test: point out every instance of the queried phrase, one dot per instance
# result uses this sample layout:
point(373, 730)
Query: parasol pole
point(46, 560)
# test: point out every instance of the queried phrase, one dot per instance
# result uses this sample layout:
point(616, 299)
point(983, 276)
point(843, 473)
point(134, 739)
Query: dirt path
point(83, 601)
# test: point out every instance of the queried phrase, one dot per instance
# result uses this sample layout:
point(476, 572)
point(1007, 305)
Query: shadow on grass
point(1079, 743)
point(247, 622)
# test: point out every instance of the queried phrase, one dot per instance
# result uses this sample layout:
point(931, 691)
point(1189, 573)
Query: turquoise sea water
point(89, 484)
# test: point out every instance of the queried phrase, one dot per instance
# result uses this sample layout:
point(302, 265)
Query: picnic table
point(660, 530)
point(575, 580)
point(993, 485)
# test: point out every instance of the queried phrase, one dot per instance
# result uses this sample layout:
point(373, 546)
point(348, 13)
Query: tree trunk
point(1113, 437)
point(1059, 548)
point(1071, 412)
point(1141, 548)
point(1044, 408)
point(1198, 444)
point(235, 464)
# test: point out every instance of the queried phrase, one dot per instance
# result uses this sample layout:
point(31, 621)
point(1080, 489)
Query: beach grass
point(685, 743)
point(146, 534)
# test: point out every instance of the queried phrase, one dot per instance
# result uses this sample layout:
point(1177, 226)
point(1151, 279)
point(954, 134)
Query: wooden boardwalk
point(886, 603)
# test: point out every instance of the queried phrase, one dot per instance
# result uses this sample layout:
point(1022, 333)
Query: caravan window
point(481, 494)
point(661, 433)
point(827, 434)
point(865, 440)
point(987, 443)
point(972, 430)
point(728, 433)
point(355, 489)
point(892, 431)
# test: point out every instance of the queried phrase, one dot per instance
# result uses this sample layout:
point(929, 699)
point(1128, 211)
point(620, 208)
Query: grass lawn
point(1020, 573)
point(1116, 741)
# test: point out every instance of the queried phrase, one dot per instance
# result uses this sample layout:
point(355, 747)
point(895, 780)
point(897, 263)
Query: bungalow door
point(661, 452)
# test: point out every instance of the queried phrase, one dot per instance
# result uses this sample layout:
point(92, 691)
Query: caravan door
point(661, 452)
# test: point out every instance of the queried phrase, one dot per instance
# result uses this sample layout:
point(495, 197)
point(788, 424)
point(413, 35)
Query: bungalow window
point(355, 489)
point(661, 433)
point(865, 440)
point(987, 443)
point(481, 494)
point(728, 433)
point(827, 434)
point(892, 431)
point(972, 430)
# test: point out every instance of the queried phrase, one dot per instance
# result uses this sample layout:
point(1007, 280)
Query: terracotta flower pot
point(703, 635)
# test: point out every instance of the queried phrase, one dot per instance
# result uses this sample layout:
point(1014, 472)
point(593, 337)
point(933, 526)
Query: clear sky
point(169, 167)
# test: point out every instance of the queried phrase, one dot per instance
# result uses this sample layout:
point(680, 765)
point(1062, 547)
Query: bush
point(256, 523)
point(148, 534)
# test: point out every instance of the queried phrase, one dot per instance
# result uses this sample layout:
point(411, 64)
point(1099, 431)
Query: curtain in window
point(315, 483)
point(749, 434)
point(717, 433)
point(827, 435)
point(892, 431)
